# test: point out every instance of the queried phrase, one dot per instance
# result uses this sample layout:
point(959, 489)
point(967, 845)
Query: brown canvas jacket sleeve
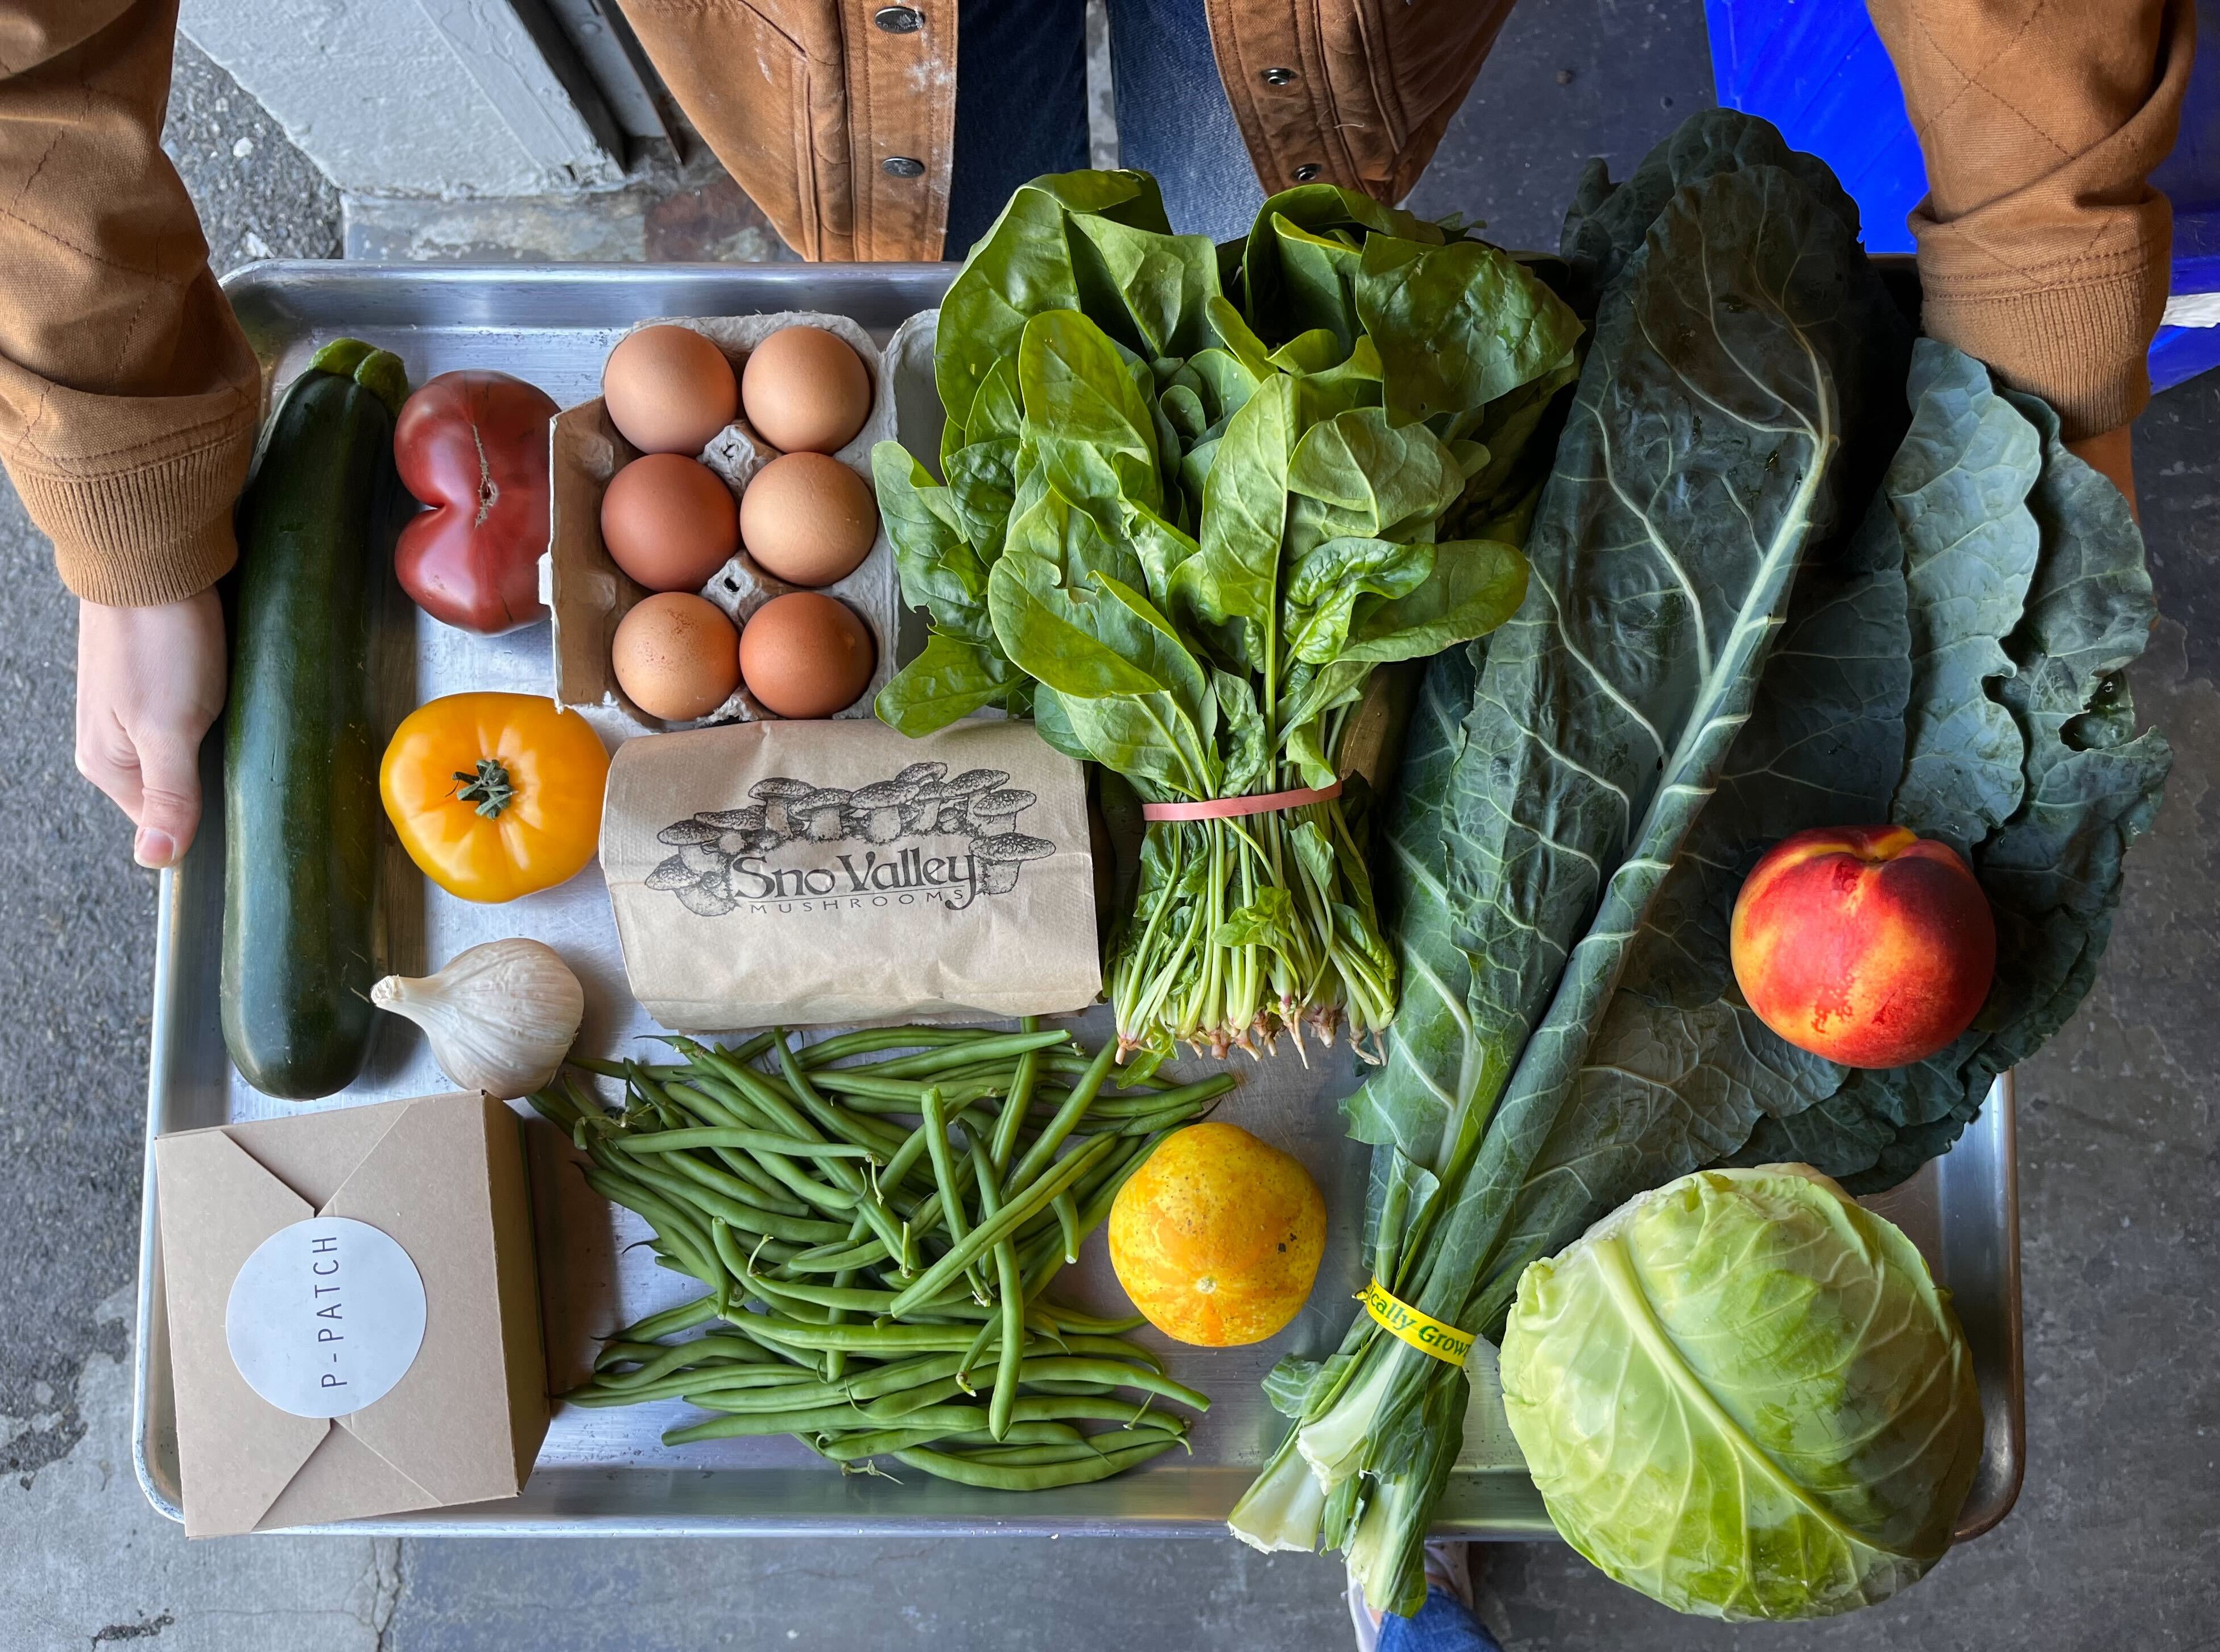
point(127, 392)
point(2043, 248)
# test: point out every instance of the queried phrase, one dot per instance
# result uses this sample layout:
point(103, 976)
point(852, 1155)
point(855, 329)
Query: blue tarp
point(1816, 69)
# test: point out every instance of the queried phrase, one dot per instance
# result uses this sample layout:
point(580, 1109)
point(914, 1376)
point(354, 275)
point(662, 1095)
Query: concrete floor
point(2112, 1542)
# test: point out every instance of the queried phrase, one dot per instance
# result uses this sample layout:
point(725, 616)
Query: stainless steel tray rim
point(1970, 1199)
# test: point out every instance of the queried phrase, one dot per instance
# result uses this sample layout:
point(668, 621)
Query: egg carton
point(588, 593)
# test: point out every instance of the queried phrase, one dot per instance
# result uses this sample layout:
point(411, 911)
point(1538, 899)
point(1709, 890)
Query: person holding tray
point(129, 395)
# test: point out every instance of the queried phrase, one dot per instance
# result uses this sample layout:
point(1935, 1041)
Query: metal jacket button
point(1304, 173)
point(899, 19)
point(911, 167)
point(1278, 76)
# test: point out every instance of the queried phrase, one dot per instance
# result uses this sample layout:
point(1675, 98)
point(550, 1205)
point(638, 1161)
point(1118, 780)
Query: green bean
point(904, 1159)
point(653, 1359)
point(1114, 1348)
point(950, 1208)
point(1116, 1372)
point(699, 1102)
point(1098, 1390)
point(752, 1141)
point(1035, 1407)
point(1067, 1220)
point(1000, 1047)
point(1013, 1117)
point(853, 1448)
point(949, 1466)
point(799, 1230)
point(862, 1089)
point(900, 1373)
point(1148, 1123)
point(668, 1321)
point(682, 1232)
point(852, 1127)
point(1043, 1151)
point(702, 1203)
point(687, 1383)
point(869, 1339)
point(1017, 1456)
point(555, 1108)
point(870, 1040)
point(1010, 1289)
point(1072, 1319)
point(1005, 1222)
point(833, 1259)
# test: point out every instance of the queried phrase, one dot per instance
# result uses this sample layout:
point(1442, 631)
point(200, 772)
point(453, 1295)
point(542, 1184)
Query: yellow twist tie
point(1422, 1330)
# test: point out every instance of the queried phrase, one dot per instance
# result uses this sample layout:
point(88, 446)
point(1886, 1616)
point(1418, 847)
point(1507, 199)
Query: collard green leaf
point(1434, 1064)
point(2052, 871)
point(1607, 222)
point(1662, 565)
point(1957, 492)
point(1680, 1072)
point(1457, 326)
point(2090, 614)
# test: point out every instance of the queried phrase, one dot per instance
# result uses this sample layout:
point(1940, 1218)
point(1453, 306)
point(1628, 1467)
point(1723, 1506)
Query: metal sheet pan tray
point(606, 1472)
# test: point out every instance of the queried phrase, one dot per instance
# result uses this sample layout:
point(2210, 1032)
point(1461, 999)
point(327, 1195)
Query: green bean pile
point(878, 1237)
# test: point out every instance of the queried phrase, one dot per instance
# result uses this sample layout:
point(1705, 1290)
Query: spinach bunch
point(1191, 496)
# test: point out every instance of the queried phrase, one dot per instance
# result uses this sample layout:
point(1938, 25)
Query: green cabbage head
point(1744, 1396)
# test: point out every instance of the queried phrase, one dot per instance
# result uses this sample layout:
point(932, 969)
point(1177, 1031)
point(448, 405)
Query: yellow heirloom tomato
point(495, 795)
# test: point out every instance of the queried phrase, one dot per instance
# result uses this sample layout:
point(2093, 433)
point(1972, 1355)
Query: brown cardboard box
point(443, 1177)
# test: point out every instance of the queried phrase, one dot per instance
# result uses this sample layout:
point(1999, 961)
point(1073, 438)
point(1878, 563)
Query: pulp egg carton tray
point(588, 593)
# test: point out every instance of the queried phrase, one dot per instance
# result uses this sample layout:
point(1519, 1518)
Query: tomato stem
point(490, 787)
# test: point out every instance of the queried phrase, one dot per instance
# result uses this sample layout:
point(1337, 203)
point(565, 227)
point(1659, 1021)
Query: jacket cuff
point(2081, 344)
point(134, 538)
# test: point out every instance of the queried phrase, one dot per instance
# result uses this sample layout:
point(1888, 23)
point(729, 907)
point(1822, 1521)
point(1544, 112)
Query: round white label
point(325, 1317)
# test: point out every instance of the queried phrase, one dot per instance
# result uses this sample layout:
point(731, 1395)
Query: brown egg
point(805, 390)
point(670, 522)
point(669, 389)
point(808, 519)
point(804, 655)
point(676, 657)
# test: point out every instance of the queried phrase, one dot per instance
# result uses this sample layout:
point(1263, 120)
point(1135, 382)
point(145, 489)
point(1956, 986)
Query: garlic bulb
point(500, 1017)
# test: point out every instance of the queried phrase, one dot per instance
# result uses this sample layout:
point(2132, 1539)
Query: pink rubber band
point(1228, 808)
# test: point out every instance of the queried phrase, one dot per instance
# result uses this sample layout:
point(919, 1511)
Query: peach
point(1870, 946)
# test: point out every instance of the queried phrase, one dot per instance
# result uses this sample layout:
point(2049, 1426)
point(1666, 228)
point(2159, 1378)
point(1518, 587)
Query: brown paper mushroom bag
point(800, 873)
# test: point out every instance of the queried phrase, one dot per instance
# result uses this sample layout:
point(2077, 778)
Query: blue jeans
point(1021, 110)
point(1442, 1625)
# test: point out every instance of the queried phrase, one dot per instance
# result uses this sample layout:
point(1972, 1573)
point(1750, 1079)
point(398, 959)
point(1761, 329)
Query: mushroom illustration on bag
point(726, 856)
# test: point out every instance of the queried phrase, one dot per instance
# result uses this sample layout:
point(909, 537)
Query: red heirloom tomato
point(473, 446)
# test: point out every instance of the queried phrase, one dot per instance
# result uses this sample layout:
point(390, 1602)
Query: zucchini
point(301, 748)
